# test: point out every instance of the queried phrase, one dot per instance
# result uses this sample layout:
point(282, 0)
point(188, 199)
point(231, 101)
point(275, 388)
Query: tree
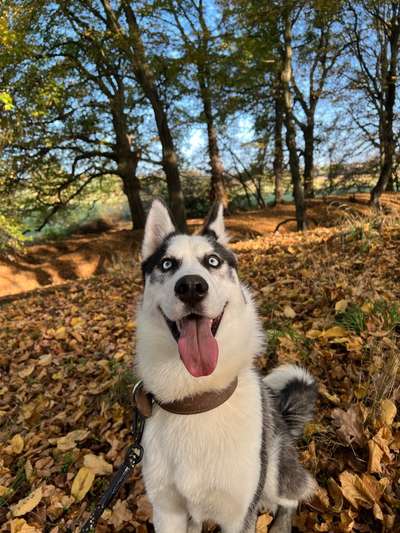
point(128, 36)
point(278, 140)
point(318, 48)
point(200, 43)
point(75, 119)
point(374, 28)
point(289, 14)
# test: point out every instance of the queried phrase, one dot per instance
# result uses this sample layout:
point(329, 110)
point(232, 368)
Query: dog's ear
point(214, 224)
point(158, 226)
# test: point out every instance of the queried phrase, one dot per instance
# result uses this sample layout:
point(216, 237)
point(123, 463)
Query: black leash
point(133, 456)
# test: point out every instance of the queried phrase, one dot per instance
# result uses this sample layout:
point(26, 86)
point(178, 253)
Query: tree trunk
point(390, 185)
point(290, 125)
point(387, 115)
point(308, 134)
point(127, 159)
point(217, 186)
point(131, 187)
point(278, 145)
point(145, 77)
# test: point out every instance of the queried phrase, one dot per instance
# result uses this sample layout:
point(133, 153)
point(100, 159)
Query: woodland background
point(287, 112)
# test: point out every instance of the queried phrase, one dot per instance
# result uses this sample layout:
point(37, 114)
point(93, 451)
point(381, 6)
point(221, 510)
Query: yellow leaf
point(4, 491)
point(354, 344)
point(263, 522)
point(375, 457)
point(367, 308)
point(377, 512)
point(76, 322)
point(341, 306)
point(28, 470)
point(289, 312)
point(336, 494)
point(45, 359)
point(388, 412)
point(313, 334)
point(379, 449)
point(27, 504)
point(82, 483)
point(61, 333)
point(17, 444)
point(27, 371)
point(97, 464)
point(19, 525)
point(361, 491)
point(335, 331)
point(68, 442)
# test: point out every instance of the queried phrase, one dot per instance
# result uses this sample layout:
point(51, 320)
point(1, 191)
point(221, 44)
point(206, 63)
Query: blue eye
point(166, 264)
point(213, 261)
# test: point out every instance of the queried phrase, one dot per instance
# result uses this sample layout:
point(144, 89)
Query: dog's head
point(192, 286)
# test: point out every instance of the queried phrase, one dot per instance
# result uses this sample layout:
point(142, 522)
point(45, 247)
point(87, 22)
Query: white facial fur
point(190, 252)
point(239, 334)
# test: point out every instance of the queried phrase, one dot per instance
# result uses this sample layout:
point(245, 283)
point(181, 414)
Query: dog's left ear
point(158, 226)
point(214, 224)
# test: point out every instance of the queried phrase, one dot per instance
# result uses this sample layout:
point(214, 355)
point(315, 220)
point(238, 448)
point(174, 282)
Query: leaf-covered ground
point(329, 299)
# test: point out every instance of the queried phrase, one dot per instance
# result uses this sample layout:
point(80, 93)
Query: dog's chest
point(205, 455)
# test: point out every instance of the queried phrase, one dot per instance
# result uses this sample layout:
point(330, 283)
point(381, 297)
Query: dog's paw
point(283, 521)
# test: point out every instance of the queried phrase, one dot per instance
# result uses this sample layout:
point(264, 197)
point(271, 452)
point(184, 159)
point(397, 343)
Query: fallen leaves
point(98, 465)
point(19, 525)
point(16, 444)
point(350, 424)
point(363, 491)
point(27, 504)
point(65, 374)
point(388, 412)
point(68, 442)
point(263, 522)
point(82, 483)
point(289, 312)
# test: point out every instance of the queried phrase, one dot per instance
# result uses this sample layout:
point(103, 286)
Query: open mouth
point(197, 346)
point(176, 327)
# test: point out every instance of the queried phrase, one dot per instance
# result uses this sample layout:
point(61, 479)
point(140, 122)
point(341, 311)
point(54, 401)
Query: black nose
point(191, 289)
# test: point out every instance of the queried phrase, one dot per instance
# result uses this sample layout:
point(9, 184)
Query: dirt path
point(82, 256)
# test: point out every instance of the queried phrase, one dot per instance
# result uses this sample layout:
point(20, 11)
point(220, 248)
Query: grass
point(353, 319)
point(390, 313)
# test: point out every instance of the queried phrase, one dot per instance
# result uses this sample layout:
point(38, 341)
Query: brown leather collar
point(191, 405)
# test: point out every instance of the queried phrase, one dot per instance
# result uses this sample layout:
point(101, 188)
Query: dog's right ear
point(214, 224)
point(158, 226)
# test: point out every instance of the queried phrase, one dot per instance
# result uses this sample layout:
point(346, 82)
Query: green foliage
point(11, 233)
point(7, 101)
point(389, 311)
point(352, 319)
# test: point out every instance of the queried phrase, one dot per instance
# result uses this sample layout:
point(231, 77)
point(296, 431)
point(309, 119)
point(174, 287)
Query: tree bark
point(308, 134)
point(278, 145)
point(145, 77)
point(290, 124)
point(217, 186)
point(131, 187)
point(387, 114)
point(127, 159)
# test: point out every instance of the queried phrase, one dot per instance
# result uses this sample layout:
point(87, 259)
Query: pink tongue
point(197, 346)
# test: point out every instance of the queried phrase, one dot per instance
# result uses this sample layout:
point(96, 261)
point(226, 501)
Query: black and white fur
point(228, 463)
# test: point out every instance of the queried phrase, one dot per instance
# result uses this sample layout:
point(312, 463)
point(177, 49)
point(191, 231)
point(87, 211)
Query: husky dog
point(197, 331)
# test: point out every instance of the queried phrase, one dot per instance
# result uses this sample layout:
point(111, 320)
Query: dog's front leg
point(169, 521)
point(194, 527)
point(283, 520)
point(169, 513)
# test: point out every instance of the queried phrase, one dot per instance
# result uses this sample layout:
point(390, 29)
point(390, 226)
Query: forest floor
point(86, 254)
point(328, 298)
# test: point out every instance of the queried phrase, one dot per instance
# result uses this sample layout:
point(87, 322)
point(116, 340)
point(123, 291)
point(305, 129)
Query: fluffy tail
point(296, 392)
